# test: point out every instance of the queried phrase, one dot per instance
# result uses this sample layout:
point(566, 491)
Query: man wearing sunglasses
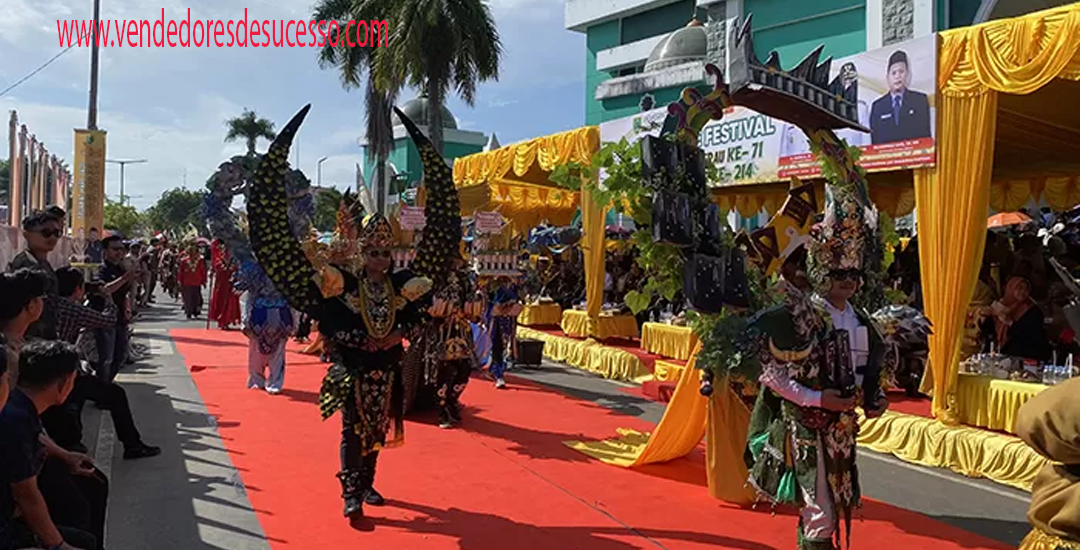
point(42, 229)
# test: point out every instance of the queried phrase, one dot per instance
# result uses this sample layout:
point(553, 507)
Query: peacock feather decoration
point(279, 252)
point(440, 239)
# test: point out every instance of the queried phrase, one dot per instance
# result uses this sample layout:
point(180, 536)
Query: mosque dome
point(417, 110)
point(685, 45)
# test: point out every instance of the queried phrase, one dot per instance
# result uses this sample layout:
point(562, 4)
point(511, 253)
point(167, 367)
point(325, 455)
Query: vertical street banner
point(88, 191)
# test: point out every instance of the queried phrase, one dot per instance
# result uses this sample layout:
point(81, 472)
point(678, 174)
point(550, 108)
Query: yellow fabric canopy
point(976, 64)
point(515, 180)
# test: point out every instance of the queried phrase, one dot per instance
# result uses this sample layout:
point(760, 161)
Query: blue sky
point(168, 105)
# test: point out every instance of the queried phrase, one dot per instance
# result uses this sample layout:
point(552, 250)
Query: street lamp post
point(123, 163)
point(318, 171)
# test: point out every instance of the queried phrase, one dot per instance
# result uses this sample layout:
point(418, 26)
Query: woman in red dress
point(191, 275)
point(225, 303)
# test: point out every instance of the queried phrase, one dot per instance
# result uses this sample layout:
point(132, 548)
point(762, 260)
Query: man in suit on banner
point(902, 113)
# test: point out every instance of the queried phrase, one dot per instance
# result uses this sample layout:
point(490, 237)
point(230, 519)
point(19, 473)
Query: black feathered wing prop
point(277, 249)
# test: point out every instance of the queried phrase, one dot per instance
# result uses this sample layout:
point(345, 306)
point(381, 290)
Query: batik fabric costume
point(799, 453)
point(1050, 424)
point(447, 342)
point(357, 315)
point(505, 306)
point(267, 319)
point(224, 302)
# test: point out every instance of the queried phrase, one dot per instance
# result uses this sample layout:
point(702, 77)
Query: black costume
point(362, 315)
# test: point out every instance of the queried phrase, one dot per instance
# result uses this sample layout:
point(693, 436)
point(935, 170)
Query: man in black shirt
point(112, 343)
point(42, 231)
point(47, 377)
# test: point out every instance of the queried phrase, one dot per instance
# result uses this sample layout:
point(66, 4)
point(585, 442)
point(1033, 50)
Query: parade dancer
point(505, 306)
point(820, 357)
point(267, 321)
point(224, 302)
point(363, 311)
point(451, 353)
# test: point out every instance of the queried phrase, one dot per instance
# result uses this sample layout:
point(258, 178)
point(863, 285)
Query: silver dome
point(685, 45)
point(418, 109)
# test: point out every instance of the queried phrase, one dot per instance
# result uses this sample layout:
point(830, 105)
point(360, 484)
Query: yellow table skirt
point(669, 341)
point(990, 403)
point(590, 355)
point(575, 323)
point(666, 371)
point(968, 451)
point(540, 315)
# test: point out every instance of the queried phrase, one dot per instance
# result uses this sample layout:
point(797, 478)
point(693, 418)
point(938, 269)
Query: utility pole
point(318, 171)
point(123, 163)
point(91, 115)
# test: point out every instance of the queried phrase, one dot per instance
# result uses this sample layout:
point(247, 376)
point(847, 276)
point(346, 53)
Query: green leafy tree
point(176, 210)
point(327, 200)
point(249, 127)
point(439, 46)
point(357, 67)
point(123, 218)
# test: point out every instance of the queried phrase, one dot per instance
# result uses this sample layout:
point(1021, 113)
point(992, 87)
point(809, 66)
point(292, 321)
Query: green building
point(404, 166)
point(655, 48)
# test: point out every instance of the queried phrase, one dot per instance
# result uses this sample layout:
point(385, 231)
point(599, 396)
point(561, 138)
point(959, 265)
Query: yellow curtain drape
point(1015, 56)
point(679, 431)
point(953, 198)
point(592, 245)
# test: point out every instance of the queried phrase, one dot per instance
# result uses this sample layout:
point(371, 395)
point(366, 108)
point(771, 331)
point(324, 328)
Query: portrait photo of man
point(902, 113)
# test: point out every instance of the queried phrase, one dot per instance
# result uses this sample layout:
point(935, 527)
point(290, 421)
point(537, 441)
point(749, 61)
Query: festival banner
point(88, 191)
point(896, 100)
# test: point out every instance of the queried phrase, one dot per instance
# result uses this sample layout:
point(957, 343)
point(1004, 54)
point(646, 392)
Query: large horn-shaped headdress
point(278, 251)
point(440, 238)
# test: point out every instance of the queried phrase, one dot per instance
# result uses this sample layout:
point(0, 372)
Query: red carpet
point(503, 481)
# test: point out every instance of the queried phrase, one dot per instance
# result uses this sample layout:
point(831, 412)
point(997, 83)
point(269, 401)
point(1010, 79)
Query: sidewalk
point(190, 497)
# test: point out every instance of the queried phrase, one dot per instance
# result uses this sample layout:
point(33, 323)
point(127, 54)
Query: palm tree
point(438, 46)
point(249, 127)
point(353, 63)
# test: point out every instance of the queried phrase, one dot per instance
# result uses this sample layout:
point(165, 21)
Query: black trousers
point(75, 501)
point(22, 537)
point(64, 423)
point(362, 467)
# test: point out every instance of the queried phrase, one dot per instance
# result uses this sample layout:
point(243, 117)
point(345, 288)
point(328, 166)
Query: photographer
point(112, 342)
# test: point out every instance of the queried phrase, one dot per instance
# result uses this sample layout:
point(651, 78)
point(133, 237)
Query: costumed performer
point(1050, 424)
point(362, 309)
point(447, 343)
point(268, 321)
point(191, 276)
point(814, 353)
point(505, 307)
point(224, 303)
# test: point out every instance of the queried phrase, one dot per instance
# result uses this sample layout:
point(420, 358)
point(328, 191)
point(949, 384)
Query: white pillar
point(925, 18)
point(874, 30)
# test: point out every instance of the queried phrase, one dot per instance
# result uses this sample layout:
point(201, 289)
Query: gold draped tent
point(515, 181)
point(1004, 126)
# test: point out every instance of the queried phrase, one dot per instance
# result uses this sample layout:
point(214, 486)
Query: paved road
point(191, 497)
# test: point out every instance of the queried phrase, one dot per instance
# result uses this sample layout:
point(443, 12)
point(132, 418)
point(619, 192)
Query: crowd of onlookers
point(66, 337)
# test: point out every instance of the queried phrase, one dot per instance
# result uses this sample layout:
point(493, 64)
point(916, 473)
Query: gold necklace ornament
point(377, 307)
